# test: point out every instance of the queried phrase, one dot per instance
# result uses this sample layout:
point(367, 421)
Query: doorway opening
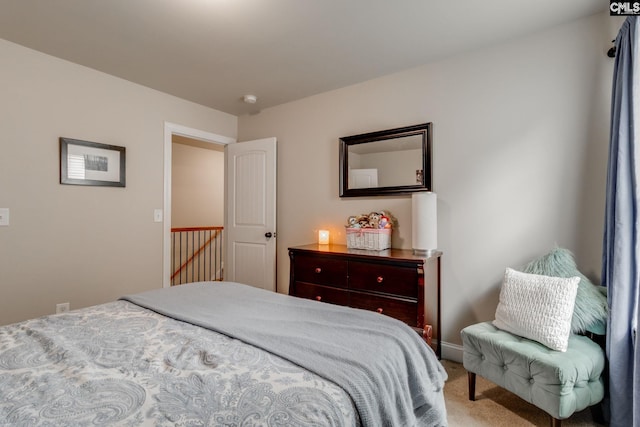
point(193, 205)
point(197, 210)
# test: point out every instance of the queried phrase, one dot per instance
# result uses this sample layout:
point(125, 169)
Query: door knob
point(268, 234)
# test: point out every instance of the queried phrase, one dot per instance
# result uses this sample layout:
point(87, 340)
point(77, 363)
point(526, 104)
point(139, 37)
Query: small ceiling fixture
point(250, 99)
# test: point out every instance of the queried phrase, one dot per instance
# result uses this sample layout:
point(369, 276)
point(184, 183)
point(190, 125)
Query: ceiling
point(213, 52)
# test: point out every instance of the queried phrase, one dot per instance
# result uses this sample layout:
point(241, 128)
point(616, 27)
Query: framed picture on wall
point(91, 163)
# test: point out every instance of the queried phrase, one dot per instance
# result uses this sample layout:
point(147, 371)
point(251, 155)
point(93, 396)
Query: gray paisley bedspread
point(120, 364)
point(393, 378)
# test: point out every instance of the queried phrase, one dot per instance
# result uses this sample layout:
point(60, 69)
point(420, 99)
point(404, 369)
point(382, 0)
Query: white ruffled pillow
point(537, 307)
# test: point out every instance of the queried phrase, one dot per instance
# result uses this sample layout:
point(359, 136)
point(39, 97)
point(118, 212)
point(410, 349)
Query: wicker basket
point(368, 238)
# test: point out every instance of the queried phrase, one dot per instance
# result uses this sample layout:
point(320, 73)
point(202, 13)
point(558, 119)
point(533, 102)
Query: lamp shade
point(424, 222)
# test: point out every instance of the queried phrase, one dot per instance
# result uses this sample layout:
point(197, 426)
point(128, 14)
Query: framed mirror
point(388, 162)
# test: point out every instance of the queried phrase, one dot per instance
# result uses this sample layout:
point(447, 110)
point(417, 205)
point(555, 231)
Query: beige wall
point(84, 245)
point(197, 186)
point(520, 140)
point(394, 168)
point(519, 157)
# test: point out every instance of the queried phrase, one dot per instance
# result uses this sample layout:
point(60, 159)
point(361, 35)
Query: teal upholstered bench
point(559, 383)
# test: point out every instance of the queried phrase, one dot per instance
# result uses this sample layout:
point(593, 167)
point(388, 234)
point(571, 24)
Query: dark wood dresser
point(391, 282)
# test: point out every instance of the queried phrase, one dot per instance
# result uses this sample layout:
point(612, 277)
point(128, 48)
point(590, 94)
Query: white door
point(363, 178)
point(250, 221)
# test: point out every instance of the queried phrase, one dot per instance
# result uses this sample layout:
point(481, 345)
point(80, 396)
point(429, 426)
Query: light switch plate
point(4, 217)
point(157, 215)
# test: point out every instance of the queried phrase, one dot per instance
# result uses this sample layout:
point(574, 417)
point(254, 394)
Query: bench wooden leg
point(472, 385)
point(597, 413)
point(555, 422)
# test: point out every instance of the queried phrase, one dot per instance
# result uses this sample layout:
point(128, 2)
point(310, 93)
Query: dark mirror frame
point(424, 130)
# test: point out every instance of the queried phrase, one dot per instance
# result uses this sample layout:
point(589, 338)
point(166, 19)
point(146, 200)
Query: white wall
point(519, 157)
point(85, 245)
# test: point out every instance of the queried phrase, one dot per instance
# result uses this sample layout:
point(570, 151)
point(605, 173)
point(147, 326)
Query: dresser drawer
point(321, 270)
point(392, 281)
point(383, 278)
point(322, 293)
point(405, 311)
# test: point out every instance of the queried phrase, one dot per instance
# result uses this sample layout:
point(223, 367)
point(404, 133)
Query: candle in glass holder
point(323, 237)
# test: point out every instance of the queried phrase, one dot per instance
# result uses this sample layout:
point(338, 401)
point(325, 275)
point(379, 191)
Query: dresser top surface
point(397, 254)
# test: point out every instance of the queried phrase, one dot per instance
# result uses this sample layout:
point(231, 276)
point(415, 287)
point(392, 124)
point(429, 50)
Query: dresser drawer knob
point(318, 298)
point(380, 279)
point(379, 310)
point(318, 270)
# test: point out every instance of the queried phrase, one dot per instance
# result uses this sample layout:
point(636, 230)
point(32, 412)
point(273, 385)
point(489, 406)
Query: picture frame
point(92, 163)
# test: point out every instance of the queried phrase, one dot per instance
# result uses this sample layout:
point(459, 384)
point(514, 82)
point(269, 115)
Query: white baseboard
point(452, 352)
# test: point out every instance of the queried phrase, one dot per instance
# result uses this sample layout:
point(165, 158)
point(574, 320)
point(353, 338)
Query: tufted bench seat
point(560, 383)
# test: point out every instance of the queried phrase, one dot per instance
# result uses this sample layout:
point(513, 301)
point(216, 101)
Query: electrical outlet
point(62, 307)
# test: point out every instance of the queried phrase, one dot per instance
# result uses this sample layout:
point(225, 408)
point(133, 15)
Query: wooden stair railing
point(216, 231)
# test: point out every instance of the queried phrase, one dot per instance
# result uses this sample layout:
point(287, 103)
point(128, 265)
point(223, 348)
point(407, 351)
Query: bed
point(218, 354)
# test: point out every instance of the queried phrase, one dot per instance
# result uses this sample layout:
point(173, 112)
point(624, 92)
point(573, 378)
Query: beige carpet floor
point(494, 406)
